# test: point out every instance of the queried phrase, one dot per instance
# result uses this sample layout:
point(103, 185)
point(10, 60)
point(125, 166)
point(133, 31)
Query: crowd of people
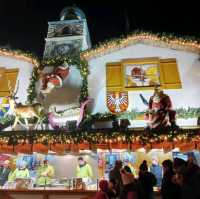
point(180, 180)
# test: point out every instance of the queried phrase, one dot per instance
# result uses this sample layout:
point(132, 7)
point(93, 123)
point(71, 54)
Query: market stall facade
point(65, 119)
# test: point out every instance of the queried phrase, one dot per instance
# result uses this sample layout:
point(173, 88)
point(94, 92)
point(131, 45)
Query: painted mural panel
point(141, 75)
point(65, 28)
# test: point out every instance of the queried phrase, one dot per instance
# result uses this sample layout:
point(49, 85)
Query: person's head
point(81, 161)
point(22, 165)
point(118, 164)
point(154, 160)
point(103, 185)
point(12, 165)
point(178, 162)
point(6, 163)
point(143, 167)
point(190, 159)
point(127, 169)
point(126, 162)
point(167, 166)
point(157, 90)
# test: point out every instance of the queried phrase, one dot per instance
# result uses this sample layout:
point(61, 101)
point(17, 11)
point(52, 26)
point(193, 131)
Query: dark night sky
point(23, 23)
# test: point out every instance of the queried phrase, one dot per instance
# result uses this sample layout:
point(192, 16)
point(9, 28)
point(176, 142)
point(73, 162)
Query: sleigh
point(68, 119)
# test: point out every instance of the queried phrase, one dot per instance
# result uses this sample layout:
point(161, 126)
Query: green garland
point(32, 94)
point(81, 65)
point(97, 136)
point(163, 38)
point(6, 121)
point(89, 120)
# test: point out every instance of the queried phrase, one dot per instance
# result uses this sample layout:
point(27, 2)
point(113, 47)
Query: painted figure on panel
point(54, 79)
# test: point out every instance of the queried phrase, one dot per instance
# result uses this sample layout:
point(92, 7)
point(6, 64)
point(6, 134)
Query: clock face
point(62, 47)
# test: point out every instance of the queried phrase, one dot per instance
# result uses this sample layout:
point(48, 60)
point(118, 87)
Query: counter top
point(46, 193)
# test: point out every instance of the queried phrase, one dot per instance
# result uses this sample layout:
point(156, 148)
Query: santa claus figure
point(160, 113)
point(54, 79)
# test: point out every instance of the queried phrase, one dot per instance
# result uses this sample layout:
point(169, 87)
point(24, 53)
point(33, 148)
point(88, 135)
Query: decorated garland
point(99, 136)
point(21, 55)
point(81, 65)
point(32, 94)
point(166, 40)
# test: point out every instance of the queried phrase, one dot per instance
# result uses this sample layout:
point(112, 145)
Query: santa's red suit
point(55, 79)
point(160, 113)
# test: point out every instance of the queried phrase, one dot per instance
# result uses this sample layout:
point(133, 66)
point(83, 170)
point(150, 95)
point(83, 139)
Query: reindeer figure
point(24, 111)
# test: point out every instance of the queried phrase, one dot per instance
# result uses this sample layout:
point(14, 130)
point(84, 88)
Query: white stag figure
point(25, 112)
point(73, 112)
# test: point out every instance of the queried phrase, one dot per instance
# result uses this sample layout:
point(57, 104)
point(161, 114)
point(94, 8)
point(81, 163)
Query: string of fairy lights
point(20, 55)
point(161, 40)
point(99, 137)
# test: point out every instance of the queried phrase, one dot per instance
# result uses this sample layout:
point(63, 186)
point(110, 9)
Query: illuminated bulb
point(119, 139)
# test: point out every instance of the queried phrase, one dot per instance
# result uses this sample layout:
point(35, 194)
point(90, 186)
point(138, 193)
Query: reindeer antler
point(17, 88)
point(10, 88)
point(12, 93)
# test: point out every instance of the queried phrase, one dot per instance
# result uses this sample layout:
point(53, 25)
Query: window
point(5, 76)
point(142, 74)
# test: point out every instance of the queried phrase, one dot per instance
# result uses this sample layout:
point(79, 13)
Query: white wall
point(189, 68)
point(25, 70)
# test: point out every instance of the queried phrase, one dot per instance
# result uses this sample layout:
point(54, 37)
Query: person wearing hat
point(45, 174)
point(4, 172)
point(147, 181)
point(21, 171)
point(84, 170)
